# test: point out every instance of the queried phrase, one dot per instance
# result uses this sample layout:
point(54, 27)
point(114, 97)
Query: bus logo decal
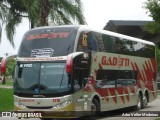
point(115, 61)
point(36, 91)
point(48, 36)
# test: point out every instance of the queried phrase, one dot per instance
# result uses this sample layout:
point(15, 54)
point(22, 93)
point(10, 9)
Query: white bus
point(77, 70)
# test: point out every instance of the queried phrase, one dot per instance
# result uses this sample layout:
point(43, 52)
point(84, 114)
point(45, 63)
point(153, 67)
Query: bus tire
point(139, 102)
point(144, 101)
point(95, 108)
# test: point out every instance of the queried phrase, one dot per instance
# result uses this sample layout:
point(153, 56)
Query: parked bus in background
point(3, 67)
point(75, 68)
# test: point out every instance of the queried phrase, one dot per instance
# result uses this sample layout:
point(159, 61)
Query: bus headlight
point(61, 105)
point(20, 105)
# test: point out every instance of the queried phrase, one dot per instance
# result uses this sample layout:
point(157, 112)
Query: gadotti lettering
point(115, 61)
point(50, 35)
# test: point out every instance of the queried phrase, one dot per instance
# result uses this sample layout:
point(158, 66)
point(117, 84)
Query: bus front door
point(81, 69)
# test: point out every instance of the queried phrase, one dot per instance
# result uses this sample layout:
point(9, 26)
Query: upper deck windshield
point(48, 42)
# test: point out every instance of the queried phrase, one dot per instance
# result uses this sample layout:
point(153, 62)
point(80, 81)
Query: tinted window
point(48, 42)
point(106, 78)
point(113, 78)
point(117, 45)
point(87, 42)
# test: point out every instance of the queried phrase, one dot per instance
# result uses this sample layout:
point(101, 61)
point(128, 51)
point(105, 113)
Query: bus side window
point(126, 77)
point(106, 79)
point(87, 42)
point(83, 44)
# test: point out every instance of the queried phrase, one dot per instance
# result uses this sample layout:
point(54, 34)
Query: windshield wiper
point(40, 86)
point(62, 77)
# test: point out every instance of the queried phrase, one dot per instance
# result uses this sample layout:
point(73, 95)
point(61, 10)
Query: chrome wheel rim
point(139, 103)
point(145, 100)
point(93, 109)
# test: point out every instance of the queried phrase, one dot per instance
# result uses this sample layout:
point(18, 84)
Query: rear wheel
point(139, 102)
point(95, 108)
point(144, 101)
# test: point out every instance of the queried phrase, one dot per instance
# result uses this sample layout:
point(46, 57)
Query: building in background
point(132, 28)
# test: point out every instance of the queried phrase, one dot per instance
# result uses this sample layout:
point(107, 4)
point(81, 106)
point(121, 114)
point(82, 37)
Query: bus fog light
point(20, 105)
point(61, 105)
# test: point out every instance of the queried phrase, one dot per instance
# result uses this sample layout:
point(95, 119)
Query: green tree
point(39, 13)
point(10, 67)
point(153, 8)
point(158, 58)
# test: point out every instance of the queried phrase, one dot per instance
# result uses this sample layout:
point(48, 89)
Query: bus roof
point(85, 27)
point(117, 35)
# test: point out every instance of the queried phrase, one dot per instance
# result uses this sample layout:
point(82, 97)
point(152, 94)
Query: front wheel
point(95, 108)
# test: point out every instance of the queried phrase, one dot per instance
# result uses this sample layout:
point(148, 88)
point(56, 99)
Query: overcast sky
point(97, 14)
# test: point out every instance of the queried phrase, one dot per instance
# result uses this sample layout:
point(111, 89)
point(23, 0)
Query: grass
point(6, 96)
point(6, 99)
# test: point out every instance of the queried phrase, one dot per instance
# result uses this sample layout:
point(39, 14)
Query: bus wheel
point(139, 102)
point(144, 101)
point(95, 108)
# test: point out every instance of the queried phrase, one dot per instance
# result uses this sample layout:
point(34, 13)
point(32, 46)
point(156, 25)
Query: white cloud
point(5, 46)
point(98, 12)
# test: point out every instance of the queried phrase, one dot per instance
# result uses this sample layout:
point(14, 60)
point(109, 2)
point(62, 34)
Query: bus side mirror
point(69, 64)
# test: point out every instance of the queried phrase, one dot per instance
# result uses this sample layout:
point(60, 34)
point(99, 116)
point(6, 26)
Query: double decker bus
point(71, 69)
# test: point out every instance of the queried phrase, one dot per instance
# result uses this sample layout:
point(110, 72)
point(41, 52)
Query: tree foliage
point(153, 8)
point(158, 57)
point(10, 67)
point(39, 13)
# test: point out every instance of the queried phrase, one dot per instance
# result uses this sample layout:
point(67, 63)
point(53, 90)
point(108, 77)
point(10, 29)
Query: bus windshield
point(48, 42)
point(41, 78)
